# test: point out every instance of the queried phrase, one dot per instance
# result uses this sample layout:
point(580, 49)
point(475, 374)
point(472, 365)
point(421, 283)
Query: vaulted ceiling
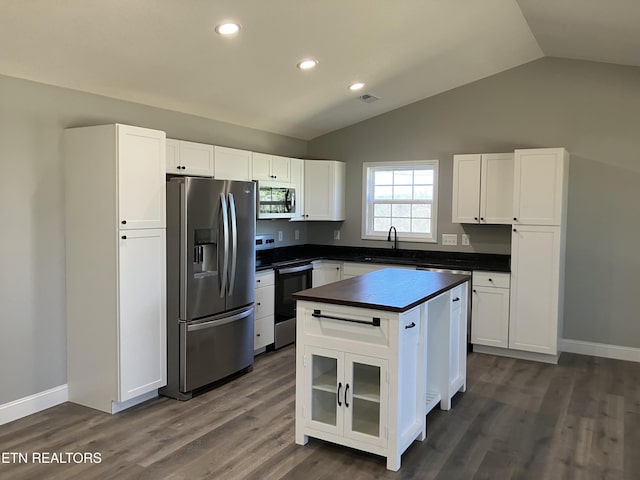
point(165, 53)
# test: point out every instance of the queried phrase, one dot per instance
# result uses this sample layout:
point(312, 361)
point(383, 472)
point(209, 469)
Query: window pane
point(402, 224)
point(381, 224)
point(423, 177)
point(382, 210)
point(421, 211)
point(400, 210)
point(419, 225)
point(402, 193)
point(423, 192)
point(383, 177)
point(382, 193)
point(403, 177)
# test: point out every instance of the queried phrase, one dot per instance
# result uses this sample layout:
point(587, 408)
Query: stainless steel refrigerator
point(210, 281)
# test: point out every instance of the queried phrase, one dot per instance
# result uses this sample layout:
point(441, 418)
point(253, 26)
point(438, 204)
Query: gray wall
point(593, 110)
point(32, 277)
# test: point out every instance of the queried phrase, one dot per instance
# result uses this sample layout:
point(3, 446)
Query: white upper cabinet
point(324, 190)
point(141, 177)
point(540, 186)
point(483, 188)
point(271, 168)
point(297, 182)
point(232, 164)
point(189, 158)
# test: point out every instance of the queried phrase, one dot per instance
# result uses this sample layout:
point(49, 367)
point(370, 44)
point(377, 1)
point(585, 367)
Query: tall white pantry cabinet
point(115, 265)
point(538, 250)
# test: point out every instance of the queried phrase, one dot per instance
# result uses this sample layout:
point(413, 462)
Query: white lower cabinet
point(347, 395)
point(264, 312)
point(490, 309)
point(325, 272)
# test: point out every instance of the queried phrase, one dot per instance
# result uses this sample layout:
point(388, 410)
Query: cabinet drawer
point(264, 279)
point(344, 327)
point(491, 279)
point(265, 301)
point(263, 332)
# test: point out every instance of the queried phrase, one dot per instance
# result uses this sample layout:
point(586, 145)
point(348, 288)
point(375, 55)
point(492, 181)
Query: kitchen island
point(375, 353)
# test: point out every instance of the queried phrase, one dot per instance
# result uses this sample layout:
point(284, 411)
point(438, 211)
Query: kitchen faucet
point(395, 237)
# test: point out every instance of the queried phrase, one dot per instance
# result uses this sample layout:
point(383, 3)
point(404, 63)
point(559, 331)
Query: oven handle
point(301, 268)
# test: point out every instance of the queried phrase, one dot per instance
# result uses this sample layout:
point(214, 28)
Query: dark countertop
point(390, 289)
point(416, 258)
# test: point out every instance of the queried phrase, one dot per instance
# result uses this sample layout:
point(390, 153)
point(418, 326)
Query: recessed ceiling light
point(227, 28)
point(307, 64)
point(356, 86)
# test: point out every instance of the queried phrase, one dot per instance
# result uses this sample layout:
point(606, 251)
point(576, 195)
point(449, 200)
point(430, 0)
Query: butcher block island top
point(390, 289)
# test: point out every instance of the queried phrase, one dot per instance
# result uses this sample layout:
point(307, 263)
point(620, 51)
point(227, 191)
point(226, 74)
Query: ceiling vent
point(368, 98)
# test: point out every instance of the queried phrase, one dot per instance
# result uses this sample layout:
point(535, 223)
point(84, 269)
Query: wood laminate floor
point(517, 420)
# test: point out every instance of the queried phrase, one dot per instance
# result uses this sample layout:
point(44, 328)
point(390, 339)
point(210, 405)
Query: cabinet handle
point(124, 237)
point(124, 222)
point(346, 389)
point(482, 218)
point(475, 218)
point(515, 218)
point(475, 291)
point(457, 299)
point(257, 334)
point(339, 388)
point(258, 303)
point(411, 325)
point(375, 321)
point(491, 279)
point(258, 281)
point(515, 230)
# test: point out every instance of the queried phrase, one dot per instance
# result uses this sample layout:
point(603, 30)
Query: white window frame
point(367, 200)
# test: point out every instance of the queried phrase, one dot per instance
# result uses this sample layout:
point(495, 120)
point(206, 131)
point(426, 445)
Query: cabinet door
point(325, 272)
point(465, 204)
point(281, 168)
point(265, 301)
point(261, 166)
point(324, 190)
point(490, 316)
point(297, 182)
point(196, 159)
point(539, 186)
point(535, 284)
point(173, 156)
point(232, 164)
point(142, 313)
point(324, 390)
point(365, 399)
point(263, 332)
point(141, 177)
point(496, 188)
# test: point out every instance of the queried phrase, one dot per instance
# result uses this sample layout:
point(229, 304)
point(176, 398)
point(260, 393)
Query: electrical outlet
point(464, 239)
point(336, 234)
point(449, 239)
point(280, 236)
point(296, 234)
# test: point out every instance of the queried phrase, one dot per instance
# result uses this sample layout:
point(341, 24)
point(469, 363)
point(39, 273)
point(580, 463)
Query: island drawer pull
point(375, 321)
point(457, 299)
point(411, 325)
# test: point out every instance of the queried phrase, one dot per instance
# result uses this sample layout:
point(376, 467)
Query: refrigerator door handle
point(234, 242)
point(183, 252)
point(221, 321)
point(225, 229)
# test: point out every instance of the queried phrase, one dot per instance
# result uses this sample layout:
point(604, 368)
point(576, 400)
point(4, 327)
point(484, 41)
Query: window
point(402, 195)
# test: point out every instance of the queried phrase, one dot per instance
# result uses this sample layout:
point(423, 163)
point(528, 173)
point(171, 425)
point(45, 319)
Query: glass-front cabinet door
point(324, 372)
point(365, 399)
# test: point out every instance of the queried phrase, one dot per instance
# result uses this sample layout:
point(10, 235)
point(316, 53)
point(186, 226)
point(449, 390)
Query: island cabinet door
point(365, 399)
point(324, 390)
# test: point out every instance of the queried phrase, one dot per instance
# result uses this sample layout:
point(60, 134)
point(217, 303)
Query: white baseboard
point(615, 352)
point(33, 403)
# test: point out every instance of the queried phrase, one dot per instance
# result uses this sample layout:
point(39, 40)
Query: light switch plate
point(280, 236)
point(449, 239)
point(464, 239)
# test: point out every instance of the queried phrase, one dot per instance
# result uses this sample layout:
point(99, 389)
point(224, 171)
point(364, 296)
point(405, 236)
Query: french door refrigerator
point(210, 281)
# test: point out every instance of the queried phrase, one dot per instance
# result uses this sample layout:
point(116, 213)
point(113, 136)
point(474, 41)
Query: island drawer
point(491, 279)
point(346, 324)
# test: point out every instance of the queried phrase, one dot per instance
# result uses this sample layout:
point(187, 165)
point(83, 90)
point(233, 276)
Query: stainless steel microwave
point(276, 200)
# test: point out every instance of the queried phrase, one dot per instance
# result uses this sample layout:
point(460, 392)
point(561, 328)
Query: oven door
point(289, 280)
